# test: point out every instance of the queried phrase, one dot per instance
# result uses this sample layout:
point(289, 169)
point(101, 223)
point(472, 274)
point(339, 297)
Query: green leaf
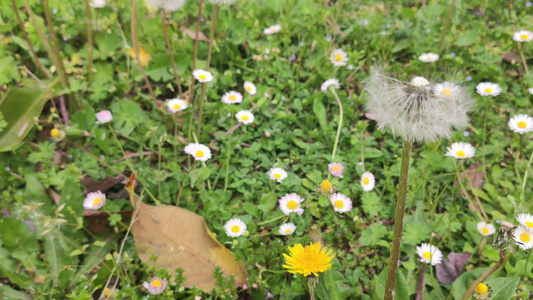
point(468, 38)
point(461, 284)
point(7, 292)
point(400, 286)
point(372, 235)
point(502, 288)
point(267, 203)
point(414, 233)
point(3, 122)
point(327, 288)
point(320, 112)
point(123, 120)
point(372, 153)
point(199, 175)
point(371, 204)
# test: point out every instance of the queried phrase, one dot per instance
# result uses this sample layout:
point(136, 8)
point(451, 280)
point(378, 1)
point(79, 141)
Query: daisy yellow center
point(335, 168)
point(107, 292)
point(156, 283)
point(326, 186)
point(200, 153)
point(366, 181)
point(525, 237)
point(288, 231)
point(461, 153)
point(427, 255)
point(482, 289)
point(272, 29)
point(524, 37)
point(488, 90)
point(292, 205)
point(447, 92)
point(277, 176)
point(522, 124)
point(245, 118)
point(97, 201)
point(248, 88)
point(338, 57)
point(177, 106)
point(428, 57)
point(235, 229)
point(203, 77)
point(529, 224)
point(232, 98)
point(339, 204)
point(54, 132)
point(485, 231)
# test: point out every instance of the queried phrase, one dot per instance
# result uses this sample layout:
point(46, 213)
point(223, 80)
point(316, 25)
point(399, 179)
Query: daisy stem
point(363, 151)
point(484, 276)
point(341, 112)
point(203, 162)
point(521, 146)
point(484, 137)
point(524, 64)
point(433, 282)
point(447, 25)
point(228, 155)
point(195, 52)
point(398, 222)
point(272, 220)
point(89, 43)
point(526, 273)
point(480, 253)
point(523, 193)
point(170, 52)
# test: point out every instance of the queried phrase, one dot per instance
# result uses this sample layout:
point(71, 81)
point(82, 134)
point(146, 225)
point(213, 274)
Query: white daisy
point(340, 202)
point(235, 227)
point(250, 88)
point(94, 201)
point(175, 105)
point(429, 254)
point(523, 36)
point(368, 181)
point(287, 229)
point(277, 174)
point(447, 89)
point(222, 1)
point(530, 90)
point(232, 97)
point(521, 124)
point(272, 29)
point(198, 151)
point(488, 89)
point(97, 3)
point(461, 150)
point(103, 117)
point(429, 57)
point(338, 57)
point(245, 116)
point(170, 5)
point(485, 229)
point(525, 220)
point(291, 203)
point(523, 237)
point(330, 82)
point(202, 76)
point(156, 285)
point(336, 169)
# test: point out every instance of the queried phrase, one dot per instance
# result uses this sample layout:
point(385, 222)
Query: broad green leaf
point(320, 112)
point(400, 286)
point(267, 203)
point(461, 284)
point(373, 234)
point(468, 38)
point(502, 288)
point(7, 292)
point(199, 175)
point(371, 204)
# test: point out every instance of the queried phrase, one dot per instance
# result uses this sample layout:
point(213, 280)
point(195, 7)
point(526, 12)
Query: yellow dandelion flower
point(311, 259)
point(326, 186)
point(144, 56)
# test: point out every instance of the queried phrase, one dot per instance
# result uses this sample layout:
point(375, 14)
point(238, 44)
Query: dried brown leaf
point(452, 267)
point(192, 34)
point(511, 57)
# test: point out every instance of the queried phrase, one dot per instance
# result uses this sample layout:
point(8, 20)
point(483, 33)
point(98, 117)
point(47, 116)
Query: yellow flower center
point(203, 77)
point(235, 228)
point(488, 90)
point(287, 231)
point(272, 29)
point(107, 292)
point(232, 98)
point(335, 168)
point(199, 153)
point(338, 57)
point(277, 176)
point(485, 231)
point(339, 204)
point(292, 205)
point(245, 118)
point(461, 153)
point(427, 255)
point(525, 237)
point(156, 283)
point(176, 106)
point(326, 186)
point(482, 289)
point(522, 124)
point(529, 224)
point(366, 181)
point(447, 92)
point(54, 132)
point(524, 37)
point(428, 57)
point(248, 88)
point(97, 201)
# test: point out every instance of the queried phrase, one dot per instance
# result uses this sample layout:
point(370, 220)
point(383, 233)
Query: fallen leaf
point(475, 177)
point(511, 57)
point(452, 267)
point(108, 182)
point(192, 34)
point(180, 238)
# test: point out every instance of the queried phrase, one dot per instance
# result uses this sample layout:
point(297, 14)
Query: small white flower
point(94, 201)
point(523, 36)
point(368, 181)
point(222, 1)
point(103, 117)
point(521, 124)
point(232, 97)
point(287, 229)
point(250, 88)
point(245, 116)
point(525, 220)
point(202, 76)
point(272, 29)
point(429, 57)
point(447, 89)
point(485, 229)
point(156, 285)
point(341, 203)
point(198, 151)
point(330, 82)
point(336, 169)
point(338, 57)
point(291, 203)
point(523, 237)
point(461, 150)
point(488, 89)
point(170, 5)
point(429, 254)
point(235, 227)
point(277, 174)
point(175, 105)
point(97, 3)
point(530, 90)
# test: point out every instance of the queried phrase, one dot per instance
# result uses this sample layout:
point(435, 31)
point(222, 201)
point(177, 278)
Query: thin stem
point(57, 50)
point(524, 64)
point(475, 196)
point(339, 128)
point(89, 43)
point(486, 275)
point(271, 220)
point(448, 18)
point(228, 155)
point(464, 189)
point(120, 146)
point(30, 45)
point(203, 162)
point(398, 222)
point(171, 53)
point(433, 282)
point(521, 146)
point(484, 137)
point(195, 53)
point(523, 193)
point(363, 151)
point(200, 110)
point(96, 158)
point(526, 273)
point(480, 253)
point(420, 285)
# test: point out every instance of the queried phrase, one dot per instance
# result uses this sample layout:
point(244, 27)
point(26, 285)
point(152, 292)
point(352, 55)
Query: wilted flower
point(170, 5)
point(277, 174)
point(175, 105)
point(97, 3)
point(338, 57)
point(368, 181)
point(523, 237)
point(103, 117)
point(481, 291)
point(326, 186)
point(202, 76)
point(57, 134)
point(287, 229)
point(94, 201)
point(461, 150)
point(250, 88)
point(311, 259)
point(336, 169)
point(235, 227)
point(429, 57)
point(416, 110)
point(526, 220)
point(485, 229)
point(523, 36)
point(198, 151)
point(341, 203)
point(272, 29)
point(232, 97)
point(144, 56)
point(488, 89)
point(521, 124)
point(330, 82)
point(156, 285)
point(429, 254)
point(291, 203)
point(245, 116)
point(110, 294)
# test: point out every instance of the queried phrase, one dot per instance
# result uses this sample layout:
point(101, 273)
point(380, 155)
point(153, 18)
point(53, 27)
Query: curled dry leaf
point(452, 267)
point(192, 34)
point(180, 238)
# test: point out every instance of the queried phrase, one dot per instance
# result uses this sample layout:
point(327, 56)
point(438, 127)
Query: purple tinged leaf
point(452, 267)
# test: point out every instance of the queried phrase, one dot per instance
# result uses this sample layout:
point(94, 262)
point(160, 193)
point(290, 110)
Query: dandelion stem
point(486, 275)
point(228, 155)
point(484, 137)
point(89, 43)
point(60, 66)
point(170, 53)
point(195, 52)
point(398, 222)
point(339, 128)
point(448, 18)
